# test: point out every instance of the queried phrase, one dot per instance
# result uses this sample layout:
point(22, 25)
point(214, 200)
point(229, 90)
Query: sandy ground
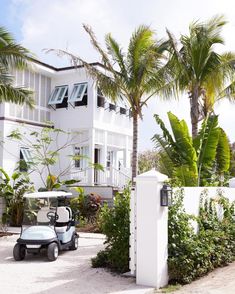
point(220, 281)
point(70, 273)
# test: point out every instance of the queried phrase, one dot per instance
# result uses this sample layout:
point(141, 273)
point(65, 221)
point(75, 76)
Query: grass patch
point(169, 289)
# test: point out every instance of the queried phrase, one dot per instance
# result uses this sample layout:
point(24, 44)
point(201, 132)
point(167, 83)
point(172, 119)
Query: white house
point(69, 98)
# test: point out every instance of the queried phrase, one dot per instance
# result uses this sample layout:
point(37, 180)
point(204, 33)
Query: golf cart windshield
point(40, 207)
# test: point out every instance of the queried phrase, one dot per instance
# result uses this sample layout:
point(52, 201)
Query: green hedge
point(115, 224)
point(191, 254)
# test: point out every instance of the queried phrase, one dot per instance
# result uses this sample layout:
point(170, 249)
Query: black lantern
point(166, 195)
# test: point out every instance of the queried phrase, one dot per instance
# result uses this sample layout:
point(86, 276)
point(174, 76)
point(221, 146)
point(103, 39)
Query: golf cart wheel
point(52, 251)
point(19, 252)
point(74, 245)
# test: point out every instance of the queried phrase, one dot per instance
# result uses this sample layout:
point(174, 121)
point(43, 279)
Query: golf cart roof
point(47, 194)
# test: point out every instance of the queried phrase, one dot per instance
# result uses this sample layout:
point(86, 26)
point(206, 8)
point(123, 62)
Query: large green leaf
point(208, 139)
point(223, 153)
point(183, 142)
point(178, 156)
point(186, 176)
point(166, 143)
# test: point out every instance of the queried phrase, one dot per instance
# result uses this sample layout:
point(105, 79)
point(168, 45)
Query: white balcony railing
point(109, 177)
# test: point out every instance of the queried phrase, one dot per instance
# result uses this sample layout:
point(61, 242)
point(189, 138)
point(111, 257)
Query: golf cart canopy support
point(48, 194)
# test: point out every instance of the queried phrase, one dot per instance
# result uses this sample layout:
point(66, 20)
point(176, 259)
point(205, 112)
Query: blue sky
point(7, 20)
point(39, 24)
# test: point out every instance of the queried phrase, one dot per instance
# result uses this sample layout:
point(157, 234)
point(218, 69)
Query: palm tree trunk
point(135, 147)
point(194, 111)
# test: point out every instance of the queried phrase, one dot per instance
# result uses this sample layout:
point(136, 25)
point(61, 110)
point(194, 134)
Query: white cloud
point(58, 24)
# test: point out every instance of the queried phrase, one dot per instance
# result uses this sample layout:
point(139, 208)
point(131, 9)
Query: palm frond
point(8, 93)
point(104, 56)
point(12, 55)
point(117, 55)
point(140, 43)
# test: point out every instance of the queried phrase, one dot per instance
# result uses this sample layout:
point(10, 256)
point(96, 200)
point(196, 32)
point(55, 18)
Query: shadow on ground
point(71, 273)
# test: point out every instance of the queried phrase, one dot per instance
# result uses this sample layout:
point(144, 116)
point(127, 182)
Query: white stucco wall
point(192, 196)
point(11, 149)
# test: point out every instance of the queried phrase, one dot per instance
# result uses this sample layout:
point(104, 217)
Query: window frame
point(73, 97)
point(109, 159)
point(58, 97)
point(26, 153)
point(26, 157)
point(77, 152)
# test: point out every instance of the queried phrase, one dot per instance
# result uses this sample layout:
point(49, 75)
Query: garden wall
point(192, 196)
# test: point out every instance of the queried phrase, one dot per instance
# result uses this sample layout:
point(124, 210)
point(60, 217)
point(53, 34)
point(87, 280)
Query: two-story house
point(70, 99)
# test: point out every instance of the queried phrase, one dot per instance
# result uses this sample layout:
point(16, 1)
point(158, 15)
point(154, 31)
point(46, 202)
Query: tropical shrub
point(12, 189)
point(45, 153)
point(115, 224)
point(200, 161)
point(86, 206)
point(193, 254)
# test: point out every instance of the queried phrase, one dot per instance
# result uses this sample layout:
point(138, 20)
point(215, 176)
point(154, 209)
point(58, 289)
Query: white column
point(126, 161)
point(132, 240)
point(103, 158)
point(152, 231)
point(91, 155)
point(232, 183)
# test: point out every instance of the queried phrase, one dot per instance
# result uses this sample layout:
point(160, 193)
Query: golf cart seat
point(42, 215)
point(64, 217)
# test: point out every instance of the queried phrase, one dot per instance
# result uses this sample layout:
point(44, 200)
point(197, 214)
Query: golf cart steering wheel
point(52, 216)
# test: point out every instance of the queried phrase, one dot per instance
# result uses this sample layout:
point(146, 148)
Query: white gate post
point(152, 231)
point(132, 239)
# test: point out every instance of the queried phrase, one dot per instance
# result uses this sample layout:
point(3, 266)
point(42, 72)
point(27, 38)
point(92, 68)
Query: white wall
point(192, 196)
point(94, 122)
point(11, 149)
point(87, 116)
point(79, 117)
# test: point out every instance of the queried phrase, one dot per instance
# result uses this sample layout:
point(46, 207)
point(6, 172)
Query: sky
point(41, 24)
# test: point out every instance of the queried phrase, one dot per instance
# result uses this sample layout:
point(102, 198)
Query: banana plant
point(12, 188)
point(193, 161)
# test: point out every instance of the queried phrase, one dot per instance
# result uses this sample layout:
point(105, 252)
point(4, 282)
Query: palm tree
point(12, 56)
point(199, 70)
point(136, 74)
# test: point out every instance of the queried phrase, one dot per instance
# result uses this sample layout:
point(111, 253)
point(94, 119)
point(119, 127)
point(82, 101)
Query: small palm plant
point(13, 189)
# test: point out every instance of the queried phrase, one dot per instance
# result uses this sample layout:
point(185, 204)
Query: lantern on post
point(166, 195)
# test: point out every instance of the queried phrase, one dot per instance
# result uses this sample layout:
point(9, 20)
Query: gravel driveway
point(70, 273)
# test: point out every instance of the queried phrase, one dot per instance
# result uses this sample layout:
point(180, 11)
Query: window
point(78, 92)
point(122, 110)
point(100, 98)
point(58, 95)
point(81, 161)
point(25, 159)
point(112, 107)
point(109, 161)
point(77, 161)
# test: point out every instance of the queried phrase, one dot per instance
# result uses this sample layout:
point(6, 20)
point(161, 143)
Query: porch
point(109, 177)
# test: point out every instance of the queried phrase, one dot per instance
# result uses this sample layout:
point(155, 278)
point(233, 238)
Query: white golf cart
point(54, 229)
